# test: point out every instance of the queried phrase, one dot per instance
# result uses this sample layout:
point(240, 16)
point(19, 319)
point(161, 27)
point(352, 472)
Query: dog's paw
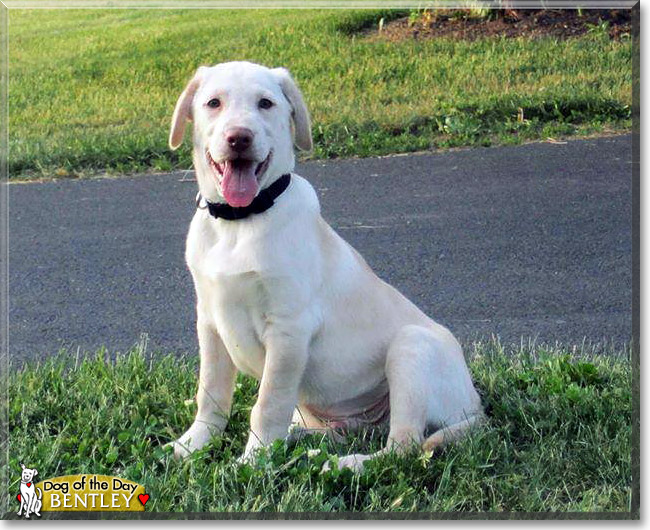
point(243, 460)
point(248, 457)
point(178, 450)
point(181, 448)
point(352, 462)
point(196, 437)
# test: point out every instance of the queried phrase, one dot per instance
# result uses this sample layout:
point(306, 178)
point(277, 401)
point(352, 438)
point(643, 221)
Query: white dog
point(29, 500)
point(283, 298)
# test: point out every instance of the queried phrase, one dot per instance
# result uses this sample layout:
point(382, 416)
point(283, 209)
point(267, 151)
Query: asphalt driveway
point(527, 242)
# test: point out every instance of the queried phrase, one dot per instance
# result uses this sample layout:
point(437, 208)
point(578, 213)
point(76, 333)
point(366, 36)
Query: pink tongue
point(239, 185)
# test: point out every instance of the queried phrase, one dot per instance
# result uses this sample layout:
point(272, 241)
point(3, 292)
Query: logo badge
point(30, 496)
point(78, 493)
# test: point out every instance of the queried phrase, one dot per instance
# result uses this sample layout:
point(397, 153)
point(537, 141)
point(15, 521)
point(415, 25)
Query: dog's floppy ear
point(300, 113)
point(183, 110)
point(22, 465)
point(35, 473)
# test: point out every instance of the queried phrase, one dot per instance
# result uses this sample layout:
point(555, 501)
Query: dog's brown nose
point(239, 138)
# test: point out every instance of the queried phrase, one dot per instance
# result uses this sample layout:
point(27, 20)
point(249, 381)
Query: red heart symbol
point(29, 484)
point(144, 497)
point(18, 497)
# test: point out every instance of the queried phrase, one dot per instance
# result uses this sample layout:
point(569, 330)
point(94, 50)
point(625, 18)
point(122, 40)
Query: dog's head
point(27, 474)
point(246, 120)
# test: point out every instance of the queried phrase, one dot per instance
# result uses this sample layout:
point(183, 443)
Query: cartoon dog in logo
point(27, 497)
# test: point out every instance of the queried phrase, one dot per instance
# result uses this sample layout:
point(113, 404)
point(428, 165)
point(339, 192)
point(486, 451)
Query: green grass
point(558, 439)
point(94, 90)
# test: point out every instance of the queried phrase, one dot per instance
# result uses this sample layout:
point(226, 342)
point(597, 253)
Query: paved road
point(531, 241)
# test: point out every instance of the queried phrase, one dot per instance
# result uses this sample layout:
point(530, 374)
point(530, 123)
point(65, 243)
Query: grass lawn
point(558, 439)
point(94, 90)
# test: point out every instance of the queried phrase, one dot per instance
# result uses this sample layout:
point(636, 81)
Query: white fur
point(30, 500)
point(282, 297)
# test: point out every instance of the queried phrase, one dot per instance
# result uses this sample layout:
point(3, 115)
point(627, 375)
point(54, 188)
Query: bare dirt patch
point(560, 24)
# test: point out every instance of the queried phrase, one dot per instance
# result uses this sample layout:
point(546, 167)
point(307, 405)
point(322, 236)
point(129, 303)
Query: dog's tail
point(39, 494)
point(450, 434)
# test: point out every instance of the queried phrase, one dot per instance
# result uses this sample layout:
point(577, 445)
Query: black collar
point(261, 203)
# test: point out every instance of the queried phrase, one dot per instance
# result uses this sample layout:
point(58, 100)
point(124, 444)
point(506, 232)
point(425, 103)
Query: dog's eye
point(214, 103)
point(265, 103)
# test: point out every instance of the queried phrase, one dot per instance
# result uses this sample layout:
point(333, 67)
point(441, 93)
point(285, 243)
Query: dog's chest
point(27, 490)
point(232, 295)
point(239, 313)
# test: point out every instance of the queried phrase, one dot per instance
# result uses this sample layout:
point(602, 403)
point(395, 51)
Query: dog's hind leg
point(429, 384)
point(408, 401)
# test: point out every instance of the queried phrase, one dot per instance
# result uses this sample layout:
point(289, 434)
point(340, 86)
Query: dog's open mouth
point(239, 178)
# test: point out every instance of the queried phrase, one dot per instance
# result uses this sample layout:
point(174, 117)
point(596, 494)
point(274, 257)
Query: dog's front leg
point(30, 505)
point(286, 357)
point(217, 375)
